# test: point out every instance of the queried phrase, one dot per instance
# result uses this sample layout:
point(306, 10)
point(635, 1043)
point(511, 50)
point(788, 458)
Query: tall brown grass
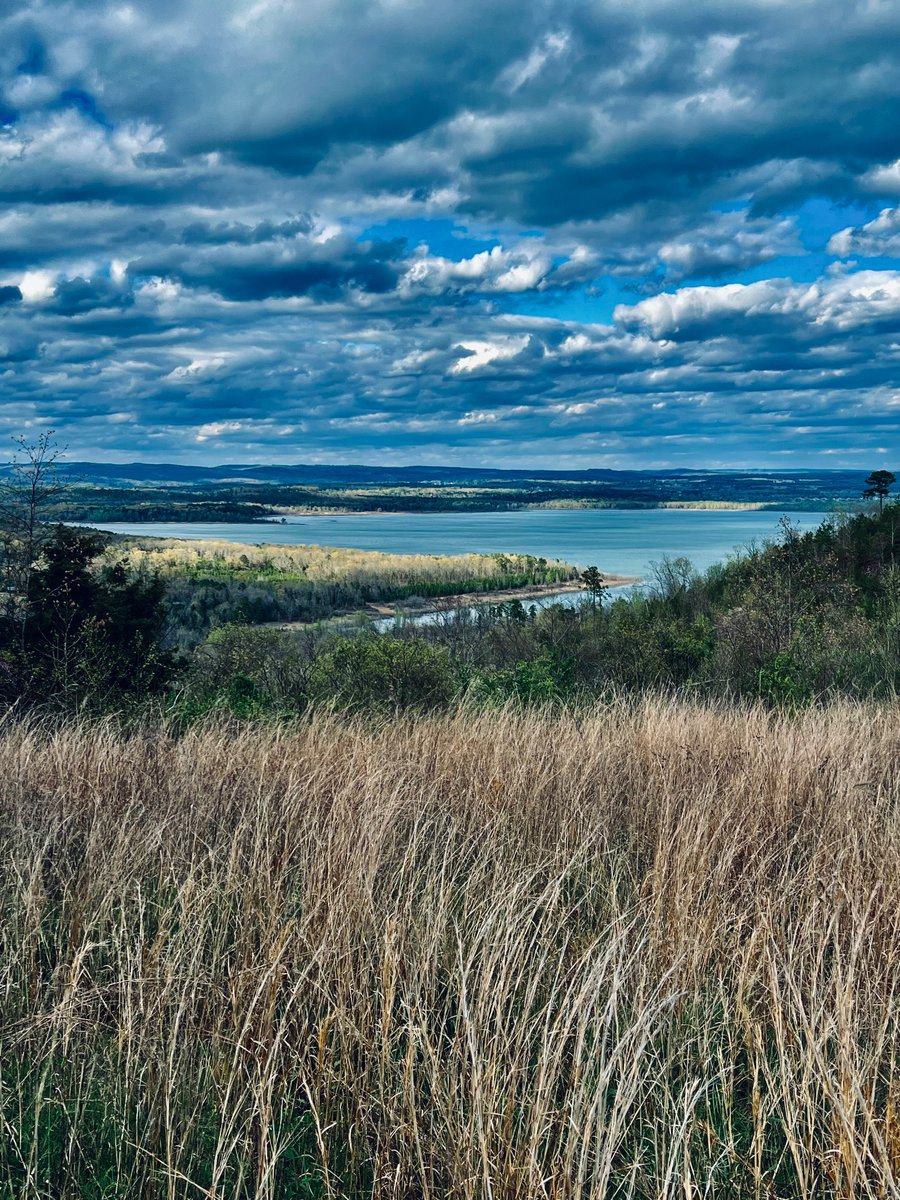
point(650, 952)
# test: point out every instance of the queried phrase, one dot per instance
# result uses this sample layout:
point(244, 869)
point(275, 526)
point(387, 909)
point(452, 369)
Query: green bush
point(275, 662)
point(783, 681)
point(540, 680)
point(384, 672)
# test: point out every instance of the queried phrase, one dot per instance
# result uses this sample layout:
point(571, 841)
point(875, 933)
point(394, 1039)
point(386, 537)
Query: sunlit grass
point(325, 564)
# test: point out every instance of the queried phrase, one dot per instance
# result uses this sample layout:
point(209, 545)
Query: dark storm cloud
point(253, 268)
point(225, 227)
point(75, 296)
point(223, 233)
point(544, 112)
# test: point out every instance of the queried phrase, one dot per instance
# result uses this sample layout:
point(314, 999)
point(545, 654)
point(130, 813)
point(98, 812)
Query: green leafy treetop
point(878, 485)
point(594, 585)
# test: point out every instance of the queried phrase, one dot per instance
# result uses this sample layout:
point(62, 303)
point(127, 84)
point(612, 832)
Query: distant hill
point(109, 492)
point(753, 482)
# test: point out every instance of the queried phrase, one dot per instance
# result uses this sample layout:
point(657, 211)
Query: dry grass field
point(649, 952)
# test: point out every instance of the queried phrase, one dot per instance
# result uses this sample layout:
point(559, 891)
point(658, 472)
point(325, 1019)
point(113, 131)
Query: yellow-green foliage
point(323, 564)
point(649, 952)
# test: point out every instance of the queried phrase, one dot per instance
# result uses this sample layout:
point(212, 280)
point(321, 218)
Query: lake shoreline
point(529, 592)
point(736, 506)
point(622, 544)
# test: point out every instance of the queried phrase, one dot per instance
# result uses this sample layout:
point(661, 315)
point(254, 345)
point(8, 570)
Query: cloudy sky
point(511, 232)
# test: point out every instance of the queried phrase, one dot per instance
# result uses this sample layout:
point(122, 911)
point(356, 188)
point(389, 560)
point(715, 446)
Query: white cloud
point(883, 180)
point(198, 368)
point(411, 363)
point(497, 270)
point(878, 237)
point(215, 429)
point(37, 285)
point(843, 301)
point(519, 73)
point(729, 242)
point(492, 416)
point(482, 353)
point(671, 311)
point(479, 418)
point(576, 343)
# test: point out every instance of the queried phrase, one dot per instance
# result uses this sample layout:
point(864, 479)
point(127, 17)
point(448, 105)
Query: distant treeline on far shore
point(144, 492)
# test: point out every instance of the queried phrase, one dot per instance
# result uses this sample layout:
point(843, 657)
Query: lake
point(618, 541)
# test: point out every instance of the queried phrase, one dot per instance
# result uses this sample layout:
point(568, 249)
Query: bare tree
point(676, 582)
point(31, 481)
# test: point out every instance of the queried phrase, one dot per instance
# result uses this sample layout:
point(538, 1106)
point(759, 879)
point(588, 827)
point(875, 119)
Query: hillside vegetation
point(800, 621)
point(209, 583)
point(651, 951)
point(190, 627)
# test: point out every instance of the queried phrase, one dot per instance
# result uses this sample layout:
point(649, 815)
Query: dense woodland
point(209, 584)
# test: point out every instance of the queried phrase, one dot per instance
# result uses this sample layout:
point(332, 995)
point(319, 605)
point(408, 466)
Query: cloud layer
point(488, 232)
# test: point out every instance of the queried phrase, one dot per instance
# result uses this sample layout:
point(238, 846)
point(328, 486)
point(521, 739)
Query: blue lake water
point(618, 541)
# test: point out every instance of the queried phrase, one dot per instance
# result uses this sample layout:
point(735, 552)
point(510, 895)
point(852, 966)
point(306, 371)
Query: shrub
point(540, 680)
point(276, 662)
point(384, 672)
point(783, 681)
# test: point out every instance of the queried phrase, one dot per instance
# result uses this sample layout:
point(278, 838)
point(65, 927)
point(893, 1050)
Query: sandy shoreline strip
point(300, 513)
point(437, 604)
point(529, 591)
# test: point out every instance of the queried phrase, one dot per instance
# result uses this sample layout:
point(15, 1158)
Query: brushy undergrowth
point(650, 951)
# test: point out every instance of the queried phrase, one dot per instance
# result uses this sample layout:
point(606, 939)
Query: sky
point(510, 233)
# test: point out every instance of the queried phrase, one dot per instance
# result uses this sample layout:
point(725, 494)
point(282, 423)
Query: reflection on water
point(450, 615)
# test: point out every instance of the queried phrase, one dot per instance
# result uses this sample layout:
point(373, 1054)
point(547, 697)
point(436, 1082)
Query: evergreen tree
point(594, 585)
point(83, 635)
point(879, 484)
